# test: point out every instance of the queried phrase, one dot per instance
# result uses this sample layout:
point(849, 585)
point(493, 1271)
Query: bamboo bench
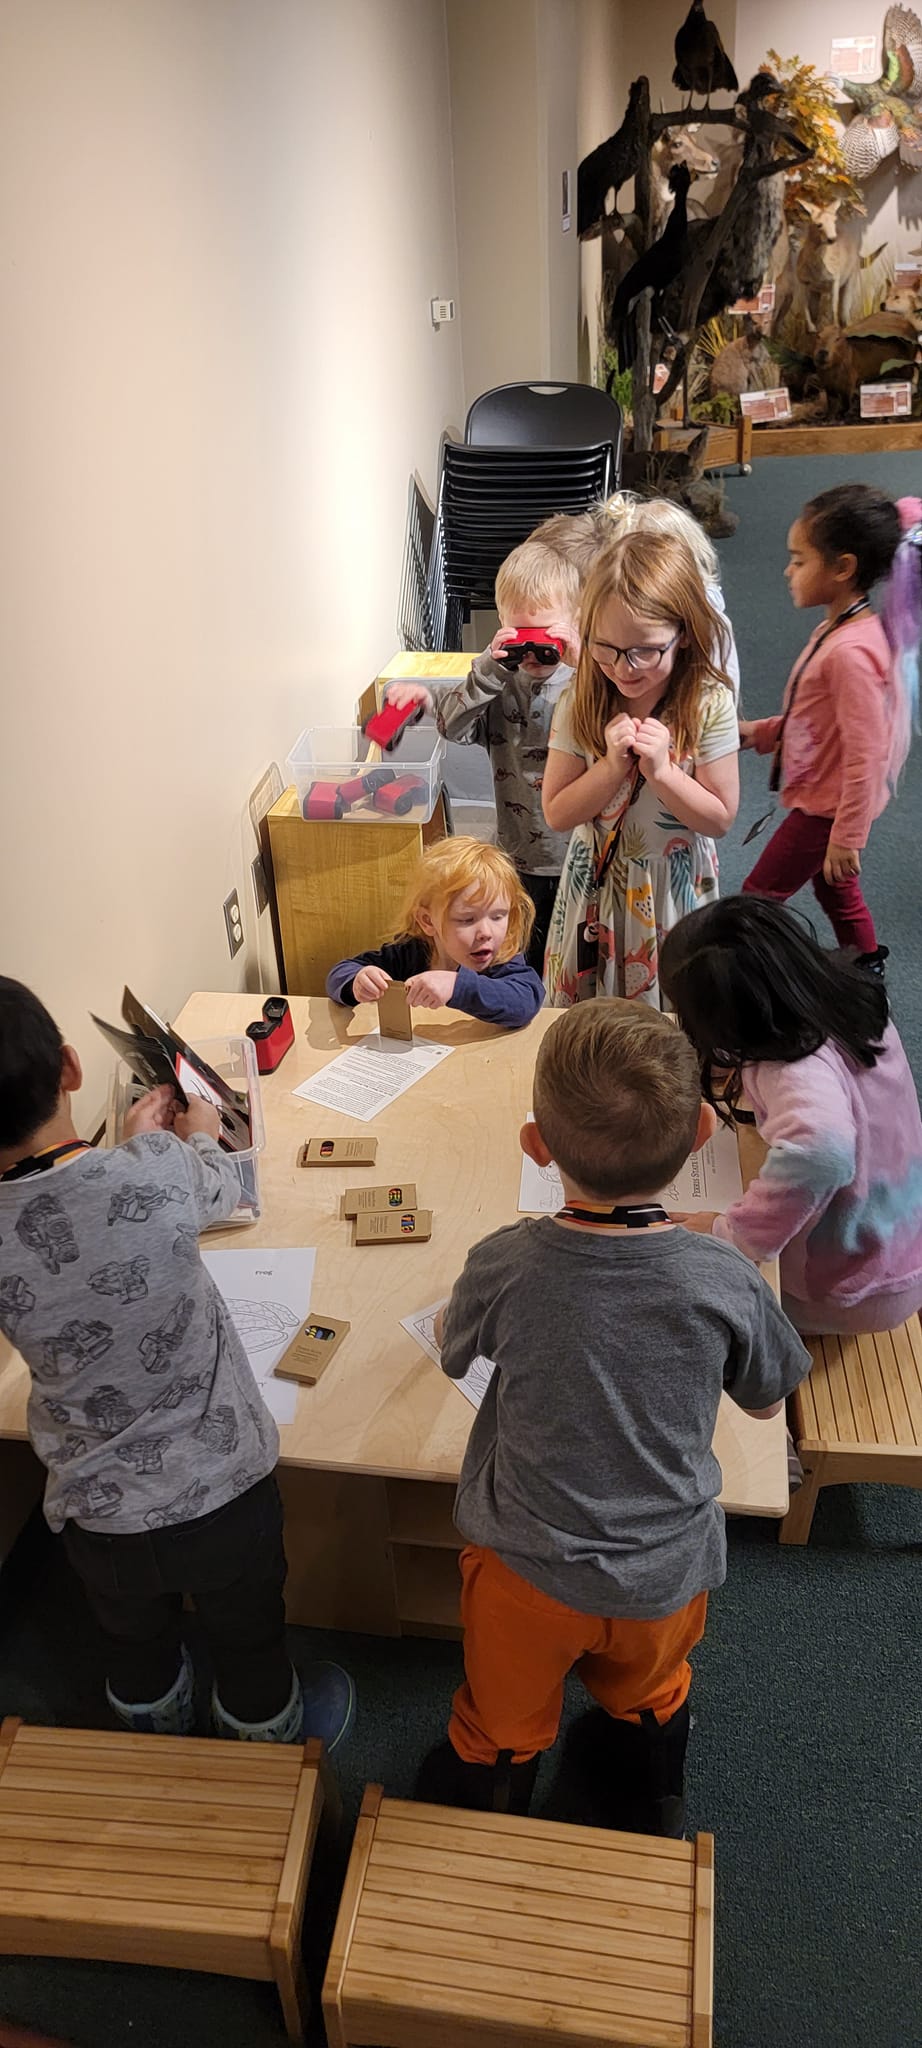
point(462, 1928)
point(857, 1417)
point(177, 1852)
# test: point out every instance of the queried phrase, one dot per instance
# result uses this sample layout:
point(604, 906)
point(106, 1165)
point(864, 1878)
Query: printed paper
point(268, 1295)
point(371, 1075)
point(421, 1328)
point(710, 1179)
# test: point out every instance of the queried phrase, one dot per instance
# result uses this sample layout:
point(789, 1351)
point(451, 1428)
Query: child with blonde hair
point(580, 537)
point(509, 711)
point(642, 769)
point(466, 923)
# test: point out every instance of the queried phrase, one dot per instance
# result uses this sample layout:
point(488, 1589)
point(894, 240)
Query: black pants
point(543, 892)
point(232, 1564)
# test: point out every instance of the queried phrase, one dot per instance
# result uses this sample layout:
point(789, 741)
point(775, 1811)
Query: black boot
point(444, 1779)
point(618, 1774)
point(874, 963)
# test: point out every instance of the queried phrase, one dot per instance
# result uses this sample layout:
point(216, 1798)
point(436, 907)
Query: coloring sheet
point(421, 1327)
point(372, 1074)
point(710, 1179)
point(268, 1295)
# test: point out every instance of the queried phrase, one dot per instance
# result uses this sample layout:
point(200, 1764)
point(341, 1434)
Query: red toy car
point(388, 725)
point(531, 640)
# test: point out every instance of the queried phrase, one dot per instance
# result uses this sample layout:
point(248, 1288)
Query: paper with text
point(710, 1179)
point(268, 1295)
point(371, 1075)
point(480, 1371)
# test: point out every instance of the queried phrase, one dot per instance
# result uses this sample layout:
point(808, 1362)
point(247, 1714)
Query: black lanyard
point(639, 1218)
point(861, 605)
point(42, 1161)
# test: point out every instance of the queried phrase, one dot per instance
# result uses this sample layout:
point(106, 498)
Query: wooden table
point(370, 1462)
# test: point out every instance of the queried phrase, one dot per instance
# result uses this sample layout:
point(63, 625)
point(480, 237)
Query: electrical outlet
point(233, 922)
point(441, 310)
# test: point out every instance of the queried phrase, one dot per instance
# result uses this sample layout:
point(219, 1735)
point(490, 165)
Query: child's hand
point(432, 990)
point(152, 1112)
point(402, 694)
point(841, 863)
point(500, 642)
point(652, 742)
point(700, 1220)
point(200, 1117)
point(369, 984)
point(620, 734)
point(747, 732)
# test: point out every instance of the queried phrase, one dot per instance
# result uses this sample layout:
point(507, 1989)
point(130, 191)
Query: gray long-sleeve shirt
point(510, 714)
point(143, 1406)
point(589, 1468)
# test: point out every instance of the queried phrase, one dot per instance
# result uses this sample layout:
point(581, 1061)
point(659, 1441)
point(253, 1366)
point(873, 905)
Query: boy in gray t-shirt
point(159, 1449)
point(588, 1495)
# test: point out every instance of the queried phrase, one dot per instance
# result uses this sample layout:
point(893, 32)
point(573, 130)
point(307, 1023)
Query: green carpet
point(805, 1754)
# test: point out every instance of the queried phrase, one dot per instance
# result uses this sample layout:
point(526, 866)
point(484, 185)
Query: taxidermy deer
point(676, 146)
point(828, 260)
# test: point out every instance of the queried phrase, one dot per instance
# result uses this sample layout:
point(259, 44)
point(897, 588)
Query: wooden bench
point(858, 1416)
point(462, 1928)
point(177, 1852)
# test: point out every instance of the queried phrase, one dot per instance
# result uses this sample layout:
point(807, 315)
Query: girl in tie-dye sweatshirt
point(805, 1037)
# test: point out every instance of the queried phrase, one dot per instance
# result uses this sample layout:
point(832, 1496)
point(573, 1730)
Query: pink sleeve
point(806, 1123)
point(766, 733)
point(860, 706)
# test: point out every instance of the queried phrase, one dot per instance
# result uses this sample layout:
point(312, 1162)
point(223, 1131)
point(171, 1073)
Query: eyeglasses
point(636, 657)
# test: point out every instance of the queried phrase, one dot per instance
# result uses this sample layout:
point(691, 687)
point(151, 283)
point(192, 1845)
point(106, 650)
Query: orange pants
point(519, 1645)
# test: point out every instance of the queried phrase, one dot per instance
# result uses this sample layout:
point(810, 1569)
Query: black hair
point(855, 519)
point(31, 1050)
point(749, 981)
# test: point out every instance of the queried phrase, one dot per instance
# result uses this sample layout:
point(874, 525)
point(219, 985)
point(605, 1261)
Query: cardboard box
point(310, 1352)
point(361, 1201)
point(338, 1152)
point(398, 1226)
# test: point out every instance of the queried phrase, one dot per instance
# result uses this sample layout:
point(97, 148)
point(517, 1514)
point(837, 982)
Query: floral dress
point(605, 937)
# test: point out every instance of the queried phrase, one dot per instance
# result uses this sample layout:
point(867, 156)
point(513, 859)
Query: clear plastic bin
point(235, 1060)
point(335, 779)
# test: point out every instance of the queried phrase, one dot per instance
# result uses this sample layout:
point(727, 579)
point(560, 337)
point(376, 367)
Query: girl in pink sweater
point(840, 739)
point(805, 1036)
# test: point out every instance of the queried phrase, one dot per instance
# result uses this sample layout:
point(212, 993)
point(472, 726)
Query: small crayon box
point(338, 1152)
point(310, 1352)
point(396, 1226)
point(360, 1201)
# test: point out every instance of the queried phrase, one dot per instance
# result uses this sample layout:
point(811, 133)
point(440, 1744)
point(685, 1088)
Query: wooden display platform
point(874, 438)
point(727, 447)
point(466, 1928)
point(173, 1851)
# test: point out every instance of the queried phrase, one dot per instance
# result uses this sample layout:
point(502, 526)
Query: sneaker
point(329, 1704)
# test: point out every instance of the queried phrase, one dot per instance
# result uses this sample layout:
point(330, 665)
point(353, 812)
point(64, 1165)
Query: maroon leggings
point(794, 856)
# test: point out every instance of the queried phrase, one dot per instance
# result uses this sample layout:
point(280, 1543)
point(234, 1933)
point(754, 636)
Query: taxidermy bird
point(701, 62)
point(890, 112)
point(657, 268)
point(606, 169)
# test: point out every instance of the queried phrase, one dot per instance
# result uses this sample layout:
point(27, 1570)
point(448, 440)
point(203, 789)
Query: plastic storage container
point(235, 1060)
point(335, 779)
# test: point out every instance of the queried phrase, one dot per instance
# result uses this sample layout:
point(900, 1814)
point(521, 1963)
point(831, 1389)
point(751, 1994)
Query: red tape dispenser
point(388, 725)
point(272, 1034)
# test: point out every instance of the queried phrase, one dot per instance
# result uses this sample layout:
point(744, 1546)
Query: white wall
point(513, 86)
point(893, 196)
point(221, 224)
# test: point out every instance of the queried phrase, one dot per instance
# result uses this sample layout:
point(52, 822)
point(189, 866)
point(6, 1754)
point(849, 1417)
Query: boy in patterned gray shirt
point(510, 713)
point(159, 1449)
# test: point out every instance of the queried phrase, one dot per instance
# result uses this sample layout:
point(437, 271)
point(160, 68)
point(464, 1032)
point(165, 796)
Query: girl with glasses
point(642, 770)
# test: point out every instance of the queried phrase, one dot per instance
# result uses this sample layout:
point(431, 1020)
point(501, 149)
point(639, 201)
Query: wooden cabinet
point(339, 887)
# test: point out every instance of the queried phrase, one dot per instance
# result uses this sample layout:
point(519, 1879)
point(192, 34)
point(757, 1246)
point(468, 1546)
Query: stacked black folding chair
point(529, 451)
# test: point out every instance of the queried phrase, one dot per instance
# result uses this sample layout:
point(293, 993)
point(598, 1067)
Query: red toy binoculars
point(272, 1034)
point(388, 725)
point(541, 646)
point(382, 787)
